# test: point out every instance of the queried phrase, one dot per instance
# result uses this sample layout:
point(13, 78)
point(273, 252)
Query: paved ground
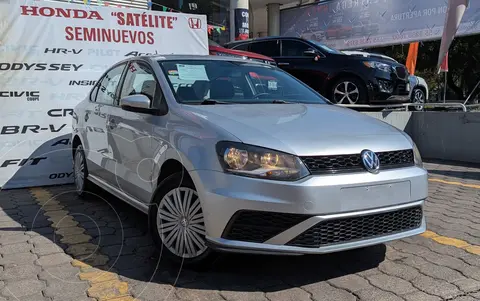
point(98, 248)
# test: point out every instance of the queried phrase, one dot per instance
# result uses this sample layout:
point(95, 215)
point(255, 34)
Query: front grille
point(401, 72)
point(353, 162)
point(401, 89)
point(359, 228)
point(259, 226)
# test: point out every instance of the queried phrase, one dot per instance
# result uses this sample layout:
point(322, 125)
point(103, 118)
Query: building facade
point(217, 11)
point(228, 19)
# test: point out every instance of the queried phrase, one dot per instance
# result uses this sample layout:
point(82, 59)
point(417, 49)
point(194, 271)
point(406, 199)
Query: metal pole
point(445, 88)
point(474, 89)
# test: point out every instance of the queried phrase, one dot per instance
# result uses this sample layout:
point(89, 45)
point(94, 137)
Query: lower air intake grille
point(359, 228)
point(259, 226)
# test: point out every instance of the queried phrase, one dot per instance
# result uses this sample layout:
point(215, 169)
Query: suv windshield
point(325, 47)
point(201, 81)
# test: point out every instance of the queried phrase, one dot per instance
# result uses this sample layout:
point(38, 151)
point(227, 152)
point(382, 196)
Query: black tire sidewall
point(363, 96)
point(80, 150)
point(173, 181)
point(412, 98)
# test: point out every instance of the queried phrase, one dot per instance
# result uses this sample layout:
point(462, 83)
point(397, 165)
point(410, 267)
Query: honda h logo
point(195, 23)
point(370, 161)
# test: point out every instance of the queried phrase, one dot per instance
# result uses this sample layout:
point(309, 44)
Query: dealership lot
point(54, 246)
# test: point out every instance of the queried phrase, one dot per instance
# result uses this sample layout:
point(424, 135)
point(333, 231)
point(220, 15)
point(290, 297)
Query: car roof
point(174, 57)
point(264, 39)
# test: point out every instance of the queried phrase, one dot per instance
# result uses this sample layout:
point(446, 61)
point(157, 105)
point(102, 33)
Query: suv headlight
point(259, 162)
point(417, 158)
point(377, 65)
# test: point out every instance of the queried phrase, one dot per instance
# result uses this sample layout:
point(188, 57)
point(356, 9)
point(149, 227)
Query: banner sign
point(51, 54)
point(355, 24)
point(242, 31)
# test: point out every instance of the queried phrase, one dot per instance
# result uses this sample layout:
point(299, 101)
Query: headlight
point(258, 162)
point(377, 65)
point(416, 156)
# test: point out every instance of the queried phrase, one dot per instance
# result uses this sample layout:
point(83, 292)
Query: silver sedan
point(224, 154)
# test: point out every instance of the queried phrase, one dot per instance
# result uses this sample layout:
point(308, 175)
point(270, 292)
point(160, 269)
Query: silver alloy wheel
point(79, 171)
point(346, 93)
point(180, 223)
point(418, 97)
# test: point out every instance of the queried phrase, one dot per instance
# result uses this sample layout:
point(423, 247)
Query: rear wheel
point(418, 96)
point(349, 91)
point(80, 172)
point(177, 222)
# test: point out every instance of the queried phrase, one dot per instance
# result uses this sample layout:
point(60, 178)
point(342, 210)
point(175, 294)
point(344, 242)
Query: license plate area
point(374, 196)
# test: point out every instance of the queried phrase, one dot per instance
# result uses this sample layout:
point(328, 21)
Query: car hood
point(303, 129)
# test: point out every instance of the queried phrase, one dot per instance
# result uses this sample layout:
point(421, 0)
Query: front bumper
point(277, 245)
point(388, 89)
point(318, 198)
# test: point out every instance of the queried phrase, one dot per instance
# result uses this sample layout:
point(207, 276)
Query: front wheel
point(349, 91)
point(177, 221)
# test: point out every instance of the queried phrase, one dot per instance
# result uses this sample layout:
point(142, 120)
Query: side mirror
point(310, 52)
point(137, 103)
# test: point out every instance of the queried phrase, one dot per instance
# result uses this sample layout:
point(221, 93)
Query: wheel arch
point(424, 90)
point(334, 78)
point(76, 141)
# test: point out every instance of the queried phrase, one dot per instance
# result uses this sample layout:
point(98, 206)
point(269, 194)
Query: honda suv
point(341, 78)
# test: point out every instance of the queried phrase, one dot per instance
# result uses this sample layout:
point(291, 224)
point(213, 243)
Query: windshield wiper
point(279, 101)
point(213, 102)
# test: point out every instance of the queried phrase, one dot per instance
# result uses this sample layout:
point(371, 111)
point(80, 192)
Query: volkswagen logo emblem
point(370, 161)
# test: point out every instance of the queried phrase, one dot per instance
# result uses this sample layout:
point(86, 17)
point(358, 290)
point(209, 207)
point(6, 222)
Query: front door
point(131, 136)
point(303, 66)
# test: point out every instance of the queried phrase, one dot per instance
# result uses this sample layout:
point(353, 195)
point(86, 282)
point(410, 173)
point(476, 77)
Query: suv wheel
point(418, 96)
point(348, 91)
point(80, 172)
point(177, 223)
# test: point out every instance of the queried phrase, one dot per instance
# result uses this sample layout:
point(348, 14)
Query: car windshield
point(218, 81)
point(326, 48)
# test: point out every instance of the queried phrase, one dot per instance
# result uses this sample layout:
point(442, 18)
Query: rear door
point(102, 98)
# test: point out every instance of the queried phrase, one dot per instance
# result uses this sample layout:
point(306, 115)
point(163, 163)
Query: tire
point(80, 172)
point(356, 89)
point(418, 96)
point(165, 217)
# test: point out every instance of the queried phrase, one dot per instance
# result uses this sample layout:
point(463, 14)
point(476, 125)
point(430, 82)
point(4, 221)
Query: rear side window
point(294, 48)
point(107, 87)
point(269, 48)
point(244, 47)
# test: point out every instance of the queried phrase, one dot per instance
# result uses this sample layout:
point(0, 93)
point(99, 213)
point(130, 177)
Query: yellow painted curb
point(429, 234)
point(108, 290)
point(98, 276)
point(454, 183)
point(103, 285)
point(473, 249)
point(451, 242)
point(448, 241)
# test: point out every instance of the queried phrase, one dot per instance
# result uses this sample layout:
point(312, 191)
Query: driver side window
point(294, 48)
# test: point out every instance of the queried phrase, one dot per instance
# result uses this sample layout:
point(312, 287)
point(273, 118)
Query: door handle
point(283, 64)
point(112, 123)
